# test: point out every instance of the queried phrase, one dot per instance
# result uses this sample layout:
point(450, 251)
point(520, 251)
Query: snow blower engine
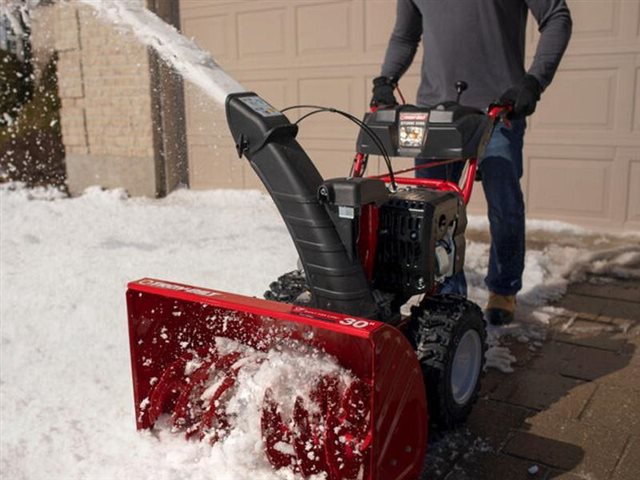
point(367, 245)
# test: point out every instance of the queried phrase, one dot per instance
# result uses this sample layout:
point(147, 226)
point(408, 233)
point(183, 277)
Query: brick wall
point(106, 117)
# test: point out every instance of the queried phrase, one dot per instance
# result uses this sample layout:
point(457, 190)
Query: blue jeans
point(501, 170)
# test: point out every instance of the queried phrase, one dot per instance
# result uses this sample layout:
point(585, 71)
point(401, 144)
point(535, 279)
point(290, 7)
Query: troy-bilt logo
point(414, 116)
point(178, 288)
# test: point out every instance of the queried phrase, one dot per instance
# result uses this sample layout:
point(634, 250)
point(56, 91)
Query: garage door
point(582, 146)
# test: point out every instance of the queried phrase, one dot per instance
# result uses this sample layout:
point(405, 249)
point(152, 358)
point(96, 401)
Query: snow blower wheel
point(449, 336)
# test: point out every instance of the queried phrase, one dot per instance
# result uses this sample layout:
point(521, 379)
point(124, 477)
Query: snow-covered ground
point(66, 395)
point(66, 403)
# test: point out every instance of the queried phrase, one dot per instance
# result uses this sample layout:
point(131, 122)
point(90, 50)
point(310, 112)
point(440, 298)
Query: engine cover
point(413, 223)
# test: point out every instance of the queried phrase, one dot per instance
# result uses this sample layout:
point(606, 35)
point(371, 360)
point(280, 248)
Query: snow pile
point(67, 403)
point(193, 63)
point(623, 262)
point(64, 363)
point(545, 277)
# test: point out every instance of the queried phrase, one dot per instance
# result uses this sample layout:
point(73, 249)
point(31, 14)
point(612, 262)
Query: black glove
point(523, 97)
point(383, 96)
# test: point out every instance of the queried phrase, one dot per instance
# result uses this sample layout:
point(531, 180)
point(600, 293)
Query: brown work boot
point(500, 309)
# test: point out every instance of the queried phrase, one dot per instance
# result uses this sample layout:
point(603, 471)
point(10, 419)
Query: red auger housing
point(169, 324)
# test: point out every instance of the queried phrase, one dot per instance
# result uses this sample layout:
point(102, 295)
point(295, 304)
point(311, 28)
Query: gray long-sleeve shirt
point(478, 41)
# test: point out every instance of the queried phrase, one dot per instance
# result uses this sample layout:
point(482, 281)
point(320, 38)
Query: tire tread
point(437, 325)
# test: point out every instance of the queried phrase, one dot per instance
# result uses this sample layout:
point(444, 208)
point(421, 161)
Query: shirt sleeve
point(554, 25)
point(404, 40)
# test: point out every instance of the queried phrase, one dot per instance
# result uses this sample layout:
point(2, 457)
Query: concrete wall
point(106, 117)
point(43, 37)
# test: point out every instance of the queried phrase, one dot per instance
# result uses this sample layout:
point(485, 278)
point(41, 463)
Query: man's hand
point(383, 96)
point(523, 97)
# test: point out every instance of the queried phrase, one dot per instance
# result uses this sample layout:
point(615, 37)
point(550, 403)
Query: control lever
point(461, 86)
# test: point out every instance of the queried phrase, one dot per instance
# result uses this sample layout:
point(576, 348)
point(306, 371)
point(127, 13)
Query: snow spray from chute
point(18, 14)
point(189, 60)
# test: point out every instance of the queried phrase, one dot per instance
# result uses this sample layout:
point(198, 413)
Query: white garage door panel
point(267, 37)
point(581, 98)
point(378, 24)
point(595, 19)
point(561, 186)
point(324, 28)
point(601, 26)
point(341, 92)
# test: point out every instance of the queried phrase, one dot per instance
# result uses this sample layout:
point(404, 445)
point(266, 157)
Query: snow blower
point(367, 245)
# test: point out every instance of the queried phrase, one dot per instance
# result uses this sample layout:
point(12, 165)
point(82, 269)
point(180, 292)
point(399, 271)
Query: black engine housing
point(413, 223)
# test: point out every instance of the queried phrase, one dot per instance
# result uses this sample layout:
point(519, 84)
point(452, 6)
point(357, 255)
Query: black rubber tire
point(436, 328)
point(289, 288)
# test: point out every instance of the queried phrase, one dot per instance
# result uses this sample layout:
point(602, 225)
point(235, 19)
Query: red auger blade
point(214, 423)
point(330, 441)
point(167, 387)
point(308, 432)
point(185, 410)
point(347, 432)
point(276, 434)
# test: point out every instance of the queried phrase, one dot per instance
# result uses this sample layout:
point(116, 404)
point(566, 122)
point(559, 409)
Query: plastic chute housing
point(166, 319)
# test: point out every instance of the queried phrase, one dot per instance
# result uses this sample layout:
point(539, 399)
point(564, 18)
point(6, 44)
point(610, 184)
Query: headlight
point(412, 129)
point(411, 137)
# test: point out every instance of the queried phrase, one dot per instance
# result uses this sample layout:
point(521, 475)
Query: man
point(482, 43)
